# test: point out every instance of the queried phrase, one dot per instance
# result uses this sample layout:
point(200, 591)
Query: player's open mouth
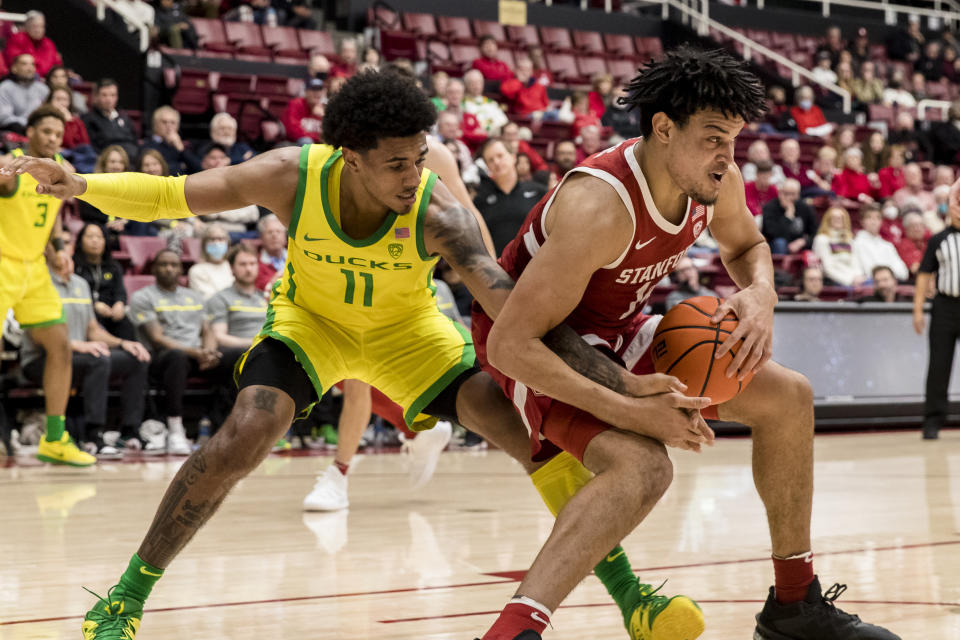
point(411, 197)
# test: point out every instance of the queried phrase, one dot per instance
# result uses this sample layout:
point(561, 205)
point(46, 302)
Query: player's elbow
point(500, 347)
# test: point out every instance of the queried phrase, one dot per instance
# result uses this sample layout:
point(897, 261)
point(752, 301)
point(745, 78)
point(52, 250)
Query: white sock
point(533, 604)
point(175, 424)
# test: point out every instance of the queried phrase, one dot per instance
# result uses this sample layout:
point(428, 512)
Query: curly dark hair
point(373, 105)
point(687, 80)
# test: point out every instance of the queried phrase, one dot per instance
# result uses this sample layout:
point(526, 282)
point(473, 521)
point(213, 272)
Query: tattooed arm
point(452, 232)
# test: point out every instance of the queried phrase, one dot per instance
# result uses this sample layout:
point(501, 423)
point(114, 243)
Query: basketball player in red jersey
point(589, 254)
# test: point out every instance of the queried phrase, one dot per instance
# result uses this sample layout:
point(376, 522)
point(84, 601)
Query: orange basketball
point(685, 345)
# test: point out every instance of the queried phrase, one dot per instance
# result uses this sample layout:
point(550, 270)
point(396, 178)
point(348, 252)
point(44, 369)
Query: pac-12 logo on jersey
point(697, 228)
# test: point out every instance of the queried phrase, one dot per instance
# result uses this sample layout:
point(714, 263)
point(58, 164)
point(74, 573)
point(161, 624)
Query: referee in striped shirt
point(942, 258)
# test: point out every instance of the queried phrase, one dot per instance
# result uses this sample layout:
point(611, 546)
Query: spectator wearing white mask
point(213, 273)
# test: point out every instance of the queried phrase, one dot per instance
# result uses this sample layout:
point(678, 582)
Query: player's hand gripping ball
point(685, 346)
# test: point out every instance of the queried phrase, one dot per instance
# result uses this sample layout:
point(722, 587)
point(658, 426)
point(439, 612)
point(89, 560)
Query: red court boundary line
point(464, 585)
point(613, 604)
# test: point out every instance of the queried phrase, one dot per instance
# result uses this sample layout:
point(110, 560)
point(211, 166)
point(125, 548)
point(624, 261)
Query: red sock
point(343, 467)
point(519, 615)
point(792, 576)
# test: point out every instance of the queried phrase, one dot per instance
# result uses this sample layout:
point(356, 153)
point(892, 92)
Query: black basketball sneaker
point(814, 618)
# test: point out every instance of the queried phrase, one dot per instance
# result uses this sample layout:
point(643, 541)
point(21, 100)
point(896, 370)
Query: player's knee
point(644, 465)
point(799, 389)
point(246, 438)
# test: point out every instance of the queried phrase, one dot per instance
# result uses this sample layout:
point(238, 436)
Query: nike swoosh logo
point(641, 245)
point(144, 571)
point(615, 556)
point(536, 616)
point(307, 238)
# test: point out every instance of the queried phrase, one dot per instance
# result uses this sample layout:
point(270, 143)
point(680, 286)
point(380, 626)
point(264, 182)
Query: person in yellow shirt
point(30, 221)
point(366, 224)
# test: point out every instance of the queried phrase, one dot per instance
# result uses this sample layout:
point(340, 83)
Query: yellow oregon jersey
point(27, 218)
point(372, 282)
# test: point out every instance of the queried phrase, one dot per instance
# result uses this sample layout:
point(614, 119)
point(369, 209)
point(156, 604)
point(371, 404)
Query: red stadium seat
point(398, 44)
point(589, 42)
point(490, 28)
point(191, 250)
point(271, 86)
point(141, 250)
point(563, 66)
point(622, 69)
point(648, 47)
point(193, 93)
point(524, 36)
point(283, 41)
point(438, 51)
point(456, 29)
point(383, 18)
point(618, 45)
point(508, 57)
point(556, 39)
point(233, 84)
point(464, 54)
point(212, 35)
point(133, 283)
point(422, 25)
point(315, 41)
point(246, 38)
point(881, 112)
point(589, 66)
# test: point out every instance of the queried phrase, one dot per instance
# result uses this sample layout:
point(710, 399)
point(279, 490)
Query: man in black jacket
point(108, 126)
point(788, 222)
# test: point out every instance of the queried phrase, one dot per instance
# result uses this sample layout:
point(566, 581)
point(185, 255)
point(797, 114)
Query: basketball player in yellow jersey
point(366, 224)
point(28, 221)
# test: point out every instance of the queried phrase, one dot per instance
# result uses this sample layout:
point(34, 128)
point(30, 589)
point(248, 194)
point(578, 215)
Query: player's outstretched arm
point(268, 180)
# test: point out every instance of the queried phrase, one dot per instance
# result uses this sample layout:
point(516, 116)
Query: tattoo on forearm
point(265, 400)
point(456, 230)
point(584, 359)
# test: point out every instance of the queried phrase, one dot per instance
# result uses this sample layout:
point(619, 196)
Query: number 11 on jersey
point(351, 277)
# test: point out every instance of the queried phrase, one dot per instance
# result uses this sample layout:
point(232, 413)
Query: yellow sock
point(559, 480)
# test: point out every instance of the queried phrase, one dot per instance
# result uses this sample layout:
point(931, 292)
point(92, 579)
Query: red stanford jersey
point(617, 292)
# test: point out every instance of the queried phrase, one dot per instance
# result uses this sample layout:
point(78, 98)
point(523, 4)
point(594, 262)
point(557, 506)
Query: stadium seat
point(563, 66)
point(618, 45)
point(191, 250)
point(622, 69)
point(315, 41)
point(507, 56)
point(881, 112)
point(246, 38)
point(283, 42)
point(648, 47)
point(491, 28)
point(270, 86)
point(456, 29)
point(423, 25)
point(233, 84)
point(134, 282)
point(464, 54)
point(589, 66)
point(212, 35)
point(523, 36)
point(141, 250)
point(589, 42)
point(383, 17)
point(398, 44)
point(556, 39)
point(193, 94)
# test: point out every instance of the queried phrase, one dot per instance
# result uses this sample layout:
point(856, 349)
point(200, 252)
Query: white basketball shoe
point(329, 493)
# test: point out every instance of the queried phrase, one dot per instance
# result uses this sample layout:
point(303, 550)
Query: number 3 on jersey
point(43, 214)
point(351, 277)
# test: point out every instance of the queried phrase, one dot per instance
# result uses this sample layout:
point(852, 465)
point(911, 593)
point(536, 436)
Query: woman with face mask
point(213, 273)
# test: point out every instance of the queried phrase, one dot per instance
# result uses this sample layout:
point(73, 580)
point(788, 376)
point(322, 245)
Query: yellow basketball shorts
point(26, 288)
point(410, 362)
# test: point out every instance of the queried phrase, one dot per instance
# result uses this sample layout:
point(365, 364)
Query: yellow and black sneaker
point(116, 617)
point(64, 451)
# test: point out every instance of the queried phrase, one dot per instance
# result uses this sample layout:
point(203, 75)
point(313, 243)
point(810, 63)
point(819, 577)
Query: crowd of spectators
point(854, 210)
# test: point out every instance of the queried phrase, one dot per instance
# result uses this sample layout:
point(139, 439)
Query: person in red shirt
point(914, 243)
point(492, 67)
point(601, 95)
point(891, 176)
point(808, 116)
point(473, 132)
point(852, 183)
point(582, 116)
point(33, 40)
point(524, 95)
point(760, 191)
point(891, 229)
point(303, 116)
point(74, 131)
point(348, 60)
point(540, 71)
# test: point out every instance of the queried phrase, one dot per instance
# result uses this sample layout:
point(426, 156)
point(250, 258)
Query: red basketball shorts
point(386, 409)
point(552, 424)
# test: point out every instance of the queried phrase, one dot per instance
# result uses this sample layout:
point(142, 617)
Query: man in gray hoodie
point(20, 93)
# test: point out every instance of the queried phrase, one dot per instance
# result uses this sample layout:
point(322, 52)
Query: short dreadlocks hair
point(373, 105)
point(687, 80)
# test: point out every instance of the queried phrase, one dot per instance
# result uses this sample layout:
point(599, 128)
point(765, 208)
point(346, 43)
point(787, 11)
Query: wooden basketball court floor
point(441, 562)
